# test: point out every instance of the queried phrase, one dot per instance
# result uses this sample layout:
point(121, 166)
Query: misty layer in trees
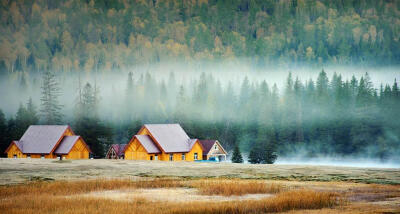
point(103, 35)
point(324, 116)
point(50, 106)
point(87, 122)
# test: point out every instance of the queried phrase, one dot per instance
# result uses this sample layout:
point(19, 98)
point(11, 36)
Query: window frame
point(195, 156)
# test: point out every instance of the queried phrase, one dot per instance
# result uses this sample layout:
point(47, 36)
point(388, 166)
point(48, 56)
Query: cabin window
point(171, 157)
point(195, 156)
point(216, 147)
point(151, 157)
point(156, 157)
point(42, 157)
point(183, 156)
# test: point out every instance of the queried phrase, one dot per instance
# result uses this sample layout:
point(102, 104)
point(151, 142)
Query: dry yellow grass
point(236, 187)
point(206, 186)
point(291, 200)
point(75, 187)
point(81, 197)
point(49, 197)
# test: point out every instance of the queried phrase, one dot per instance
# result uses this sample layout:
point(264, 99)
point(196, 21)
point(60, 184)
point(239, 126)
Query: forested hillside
point(68, 35)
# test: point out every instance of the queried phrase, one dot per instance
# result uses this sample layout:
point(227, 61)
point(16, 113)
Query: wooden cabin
point(116, 151)
point(213, 149)
point(49, 141)
point(165, 142)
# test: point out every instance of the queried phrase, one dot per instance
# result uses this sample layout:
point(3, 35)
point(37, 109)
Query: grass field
point(23, 170)
point(117, 186)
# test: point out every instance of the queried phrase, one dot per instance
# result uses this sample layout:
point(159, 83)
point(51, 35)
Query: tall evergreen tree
point(50, 107)
point(33, 118)
point(87, 123)
point(129, 96)
point(237, 156)
point(21, 120)
point(3, 134)
point(256, 154)
point(270, 150)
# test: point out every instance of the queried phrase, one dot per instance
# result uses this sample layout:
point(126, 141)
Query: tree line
point(74, 35)
point(325, 116)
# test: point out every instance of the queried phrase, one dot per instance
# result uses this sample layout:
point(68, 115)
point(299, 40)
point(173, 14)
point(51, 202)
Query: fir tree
point(270, 152)
point(89, 126)
point(3, 134)
point(33, 119)
point(50, 108)
point(255, 155)
point(21, 120)
point(129, 92)
point(237, 156)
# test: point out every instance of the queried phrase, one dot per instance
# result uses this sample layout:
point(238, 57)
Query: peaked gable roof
point(170, 137)
point(17, 143)
point(119, 148)
point(208, 144)
point(42, 139)
point(147, 143)
point(66, 144)
point(192, 142)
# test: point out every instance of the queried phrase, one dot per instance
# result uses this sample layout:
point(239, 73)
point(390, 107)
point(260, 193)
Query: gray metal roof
point(19, 145)
point(171, 137)
point(191, 143)
point(147, 143)
point(66, 145)
point(41, 139)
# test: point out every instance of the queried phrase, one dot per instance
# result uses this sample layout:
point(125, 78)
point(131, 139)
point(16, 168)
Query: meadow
point(117, 186)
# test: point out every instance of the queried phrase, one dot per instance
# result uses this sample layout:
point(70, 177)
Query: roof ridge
point(161, 124)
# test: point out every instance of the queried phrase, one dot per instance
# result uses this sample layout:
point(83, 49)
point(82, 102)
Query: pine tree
point(33, 119)
point(21, 120)
point(23, 85)
point(11, 130)
point(255, 155)
point(3, 134)
point(395, 89)
point(129, 92)
point(237, 156)
point(322, 86)
point(270, 151)
point(88, 125)
point(50, 108)
point(25, 117)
